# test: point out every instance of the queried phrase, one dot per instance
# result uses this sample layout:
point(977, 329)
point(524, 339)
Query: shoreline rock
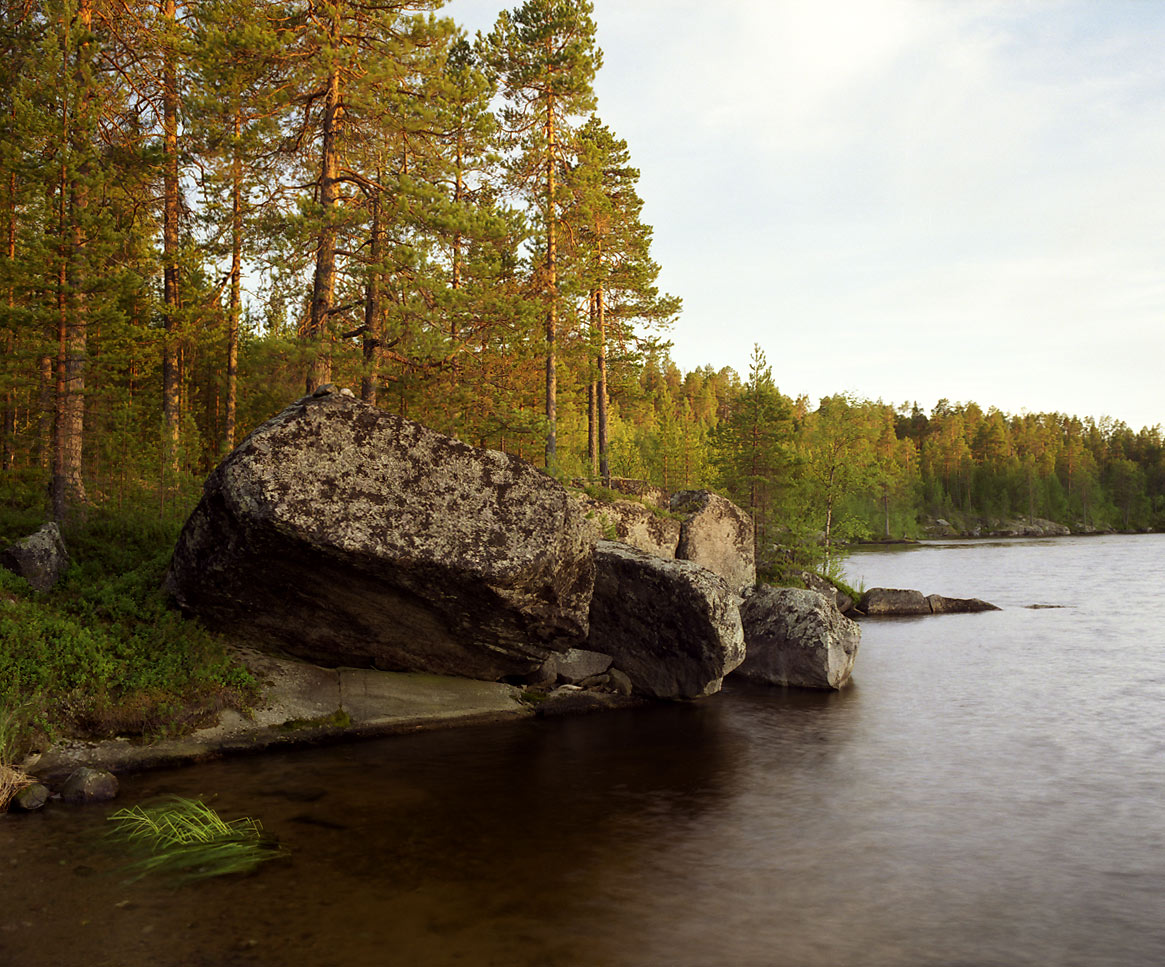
point(345, 535)
point(900, 603)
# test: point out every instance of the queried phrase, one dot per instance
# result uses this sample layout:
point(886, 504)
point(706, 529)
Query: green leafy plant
point(187, 840)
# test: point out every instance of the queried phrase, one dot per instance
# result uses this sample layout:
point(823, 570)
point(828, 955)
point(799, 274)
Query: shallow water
point(991, 791)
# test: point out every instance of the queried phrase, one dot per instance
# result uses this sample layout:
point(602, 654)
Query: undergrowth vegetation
point(104, 653)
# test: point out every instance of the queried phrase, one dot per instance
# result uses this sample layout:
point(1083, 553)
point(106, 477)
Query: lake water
point(991, 791)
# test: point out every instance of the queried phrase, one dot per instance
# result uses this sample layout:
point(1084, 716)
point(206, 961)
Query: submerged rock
point(797, 637)
point(30, 798)
point(717, 535)
point(40, 558)
point(893, 602)
point(87, 785)
point(342, 534)
point(941, 605)
point(672, 627)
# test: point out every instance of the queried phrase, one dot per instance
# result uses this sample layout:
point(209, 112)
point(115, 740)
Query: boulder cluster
point(345, 535)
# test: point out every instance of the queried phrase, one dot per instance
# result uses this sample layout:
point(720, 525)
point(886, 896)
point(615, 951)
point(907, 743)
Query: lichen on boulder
point(343, 534)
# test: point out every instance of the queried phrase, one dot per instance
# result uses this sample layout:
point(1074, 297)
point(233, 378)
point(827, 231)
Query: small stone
point(87, 785)
point(30, 798)
point(348, 393)
point(595, 681)
point(325, 390)
point(40, 558)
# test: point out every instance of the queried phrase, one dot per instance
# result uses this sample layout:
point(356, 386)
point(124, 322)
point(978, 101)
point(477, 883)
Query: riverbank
point(301, 704)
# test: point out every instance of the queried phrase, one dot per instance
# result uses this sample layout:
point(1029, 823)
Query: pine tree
point(546, 56)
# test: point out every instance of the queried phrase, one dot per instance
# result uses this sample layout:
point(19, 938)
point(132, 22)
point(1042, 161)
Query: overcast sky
point(904, 200)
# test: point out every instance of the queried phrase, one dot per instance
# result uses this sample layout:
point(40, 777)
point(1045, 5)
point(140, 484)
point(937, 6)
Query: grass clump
point(187, 840)
point(12, 779)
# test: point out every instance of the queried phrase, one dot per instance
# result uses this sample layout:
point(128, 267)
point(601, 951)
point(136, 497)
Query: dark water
point(990, 792)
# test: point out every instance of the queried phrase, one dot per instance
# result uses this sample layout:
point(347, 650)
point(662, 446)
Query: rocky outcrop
point(342, 534)
point(941, 605)
point(630, 523)
point(40, 558)
point(797, 638)
point(894, 602)
point(937, 527)
point(672, 627)
point(717, 535)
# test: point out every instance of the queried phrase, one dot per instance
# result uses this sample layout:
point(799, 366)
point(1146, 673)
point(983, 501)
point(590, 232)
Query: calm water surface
point(990, 792)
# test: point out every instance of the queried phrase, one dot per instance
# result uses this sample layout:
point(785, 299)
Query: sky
point(905, 200)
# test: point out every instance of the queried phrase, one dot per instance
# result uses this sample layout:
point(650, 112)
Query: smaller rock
point(940, 605)
point(717, 535)
point(325, 390)
point(620, 682)
point(30, 798)
point(40, 558)
point(595, 681)
point(575, 664)
point(87, 785)
point(569, 700)
point(894, 602)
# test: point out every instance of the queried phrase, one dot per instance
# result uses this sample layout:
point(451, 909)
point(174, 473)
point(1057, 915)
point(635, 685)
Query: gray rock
point(620, 682)
point(797, 637)
point(894, 602)
point(40, 558)
point(631, 523)
point(672, 627)
point(576, 664)
point(717, 535)
point(940, 605)
point(87, 785)
point(342, 534)
point(30, 798)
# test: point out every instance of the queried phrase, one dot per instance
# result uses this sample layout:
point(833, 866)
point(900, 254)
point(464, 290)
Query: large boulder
point(717, 535)
point(342, 534)
point(797, 637)
point(40, 558)
point(672, 626)
point(633, 523)
point(896, 602)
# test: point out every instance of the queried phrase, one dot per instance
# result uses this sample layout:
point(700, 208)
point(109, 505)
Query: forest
point(212, 208)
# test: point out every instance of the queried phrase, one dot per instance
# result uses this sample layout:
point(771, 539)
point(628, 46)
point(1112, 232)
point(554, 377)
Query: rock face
point(717, 535)
point(346, 535)
point(40, 558)
point(631, 523)
point(672, 627)
point(940, 605)
point(798, 638)
point(894, 601)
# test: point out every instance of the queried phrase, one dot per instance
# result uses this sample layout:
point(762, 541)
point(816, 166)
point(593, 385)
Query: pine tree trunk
point(324, 282)
point(171, 402)
point(372, 307)
point(236, 307)
point(604, 465)
point(552, 294)
point(8, 430)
